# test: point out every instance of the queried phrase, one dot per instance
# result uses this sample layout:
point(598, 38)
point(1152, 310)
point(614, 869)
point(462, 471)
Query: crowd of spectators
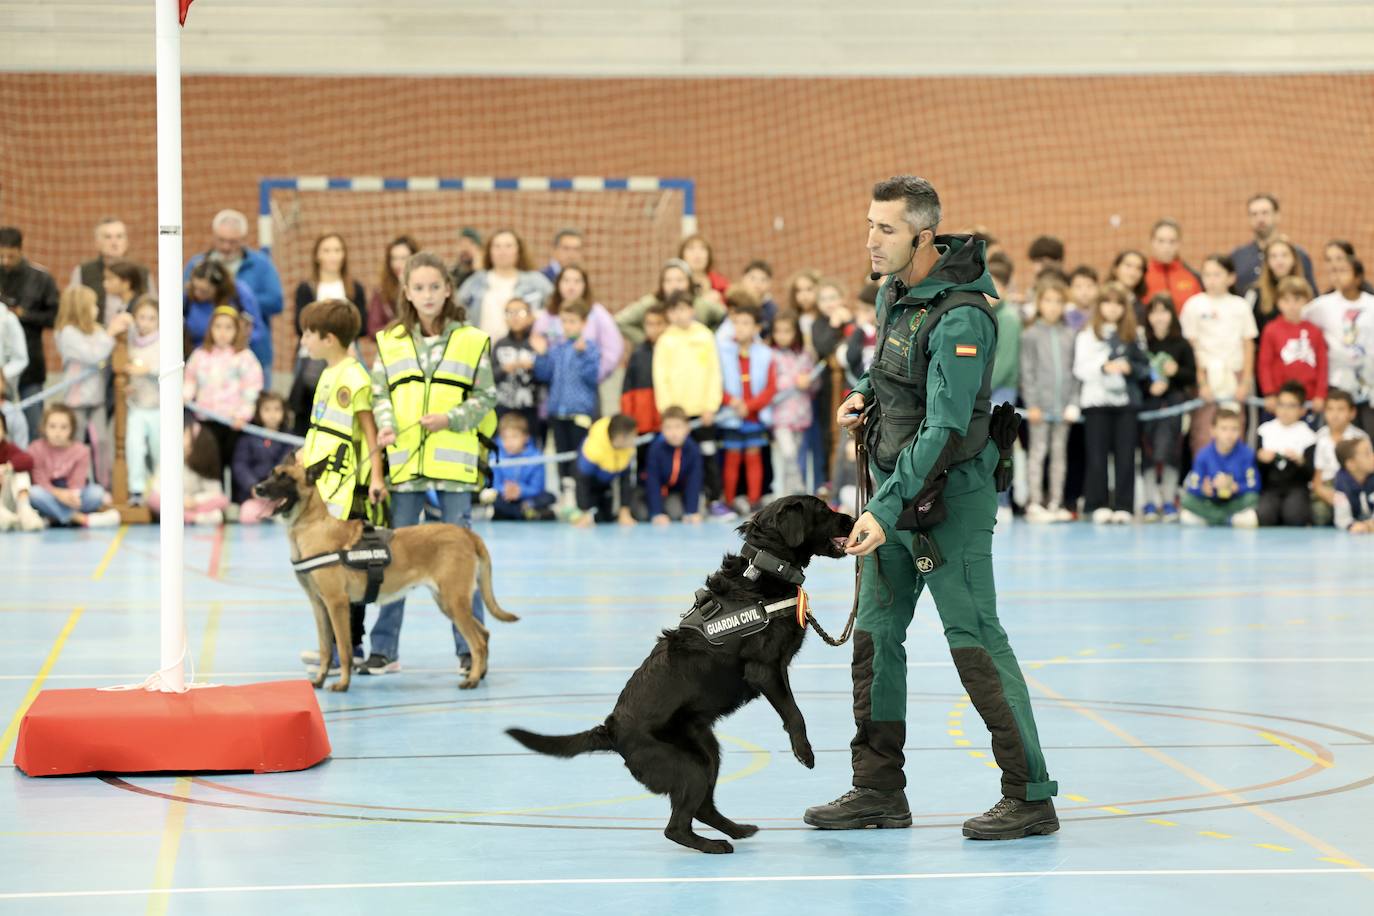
point(1235, 392)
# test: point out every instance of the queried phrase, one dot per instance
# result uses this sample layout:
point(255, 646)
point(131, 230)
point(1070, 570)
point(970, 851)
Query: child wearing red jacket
point(1292, 350)
point(15, 467)
point(749, 384)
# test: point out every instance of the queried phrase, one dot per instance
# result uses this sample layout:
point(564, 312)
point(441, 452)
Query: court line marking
point(164, 873)
point(1287, 745)
point(714, 879)
point(165, 870)
point(1206, 782)
point(12, 729)
point(617, 669)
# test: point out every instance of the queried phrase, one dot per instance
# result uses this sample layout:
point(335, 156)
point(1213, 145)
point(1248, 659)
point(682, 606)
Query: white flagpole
point(169, 254)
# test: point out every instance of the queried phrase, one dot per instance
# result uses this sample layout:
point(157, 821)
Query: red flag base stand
point(262, 728)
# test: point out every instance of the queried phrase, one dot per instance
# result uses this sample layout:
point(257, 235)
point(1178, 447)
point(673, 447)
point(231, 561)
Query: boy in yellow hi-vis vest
point(343, 433)
point(435, 398)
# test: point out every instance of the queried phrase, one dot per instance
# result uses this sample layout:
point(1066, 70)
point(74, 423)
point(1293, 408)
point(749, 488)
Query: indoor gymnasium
point(686, 457)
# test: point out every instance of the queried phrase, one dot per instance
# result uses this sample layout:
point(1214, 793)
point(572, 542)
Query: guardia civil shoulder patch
point(965, 350)
point(344, 396)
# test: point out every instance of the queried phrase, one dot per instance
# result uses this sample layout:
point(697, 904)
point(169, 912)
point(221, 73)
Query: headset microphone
point(878, 275)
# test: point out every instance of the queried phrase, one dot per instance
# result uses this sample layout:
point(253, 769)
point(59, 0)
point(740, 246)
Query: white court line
point(721, 879)
point(622, 669)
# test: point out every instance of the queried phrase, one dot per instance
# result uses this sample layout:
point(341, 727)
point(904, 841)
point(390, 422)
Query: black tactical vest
point(898, 376)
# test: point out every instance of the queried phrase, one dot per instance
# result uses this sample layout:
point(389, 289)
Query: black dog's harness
point(372, 555)
point(717, 620)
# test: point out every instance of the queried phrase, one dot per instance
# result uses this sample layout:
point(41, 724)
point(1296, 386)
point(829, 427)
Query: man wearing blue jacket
point(251, 268)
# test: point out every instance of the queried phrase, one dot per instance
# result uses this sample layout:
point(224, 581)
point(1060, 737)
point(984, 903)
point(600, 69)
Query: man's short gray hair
point(922, 203)
point(233, 218)
point(106, 221)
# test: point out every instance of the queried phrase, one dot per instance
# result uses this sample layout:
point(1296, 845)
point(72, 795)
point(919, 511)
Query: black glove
point(1002, 429)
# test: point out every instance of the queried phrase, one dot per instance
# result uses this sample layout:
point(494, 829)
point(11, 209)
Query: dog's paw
point(742, 831)
point(468, 684)
point(338, 687)
point(716, 847)
point(805, 756)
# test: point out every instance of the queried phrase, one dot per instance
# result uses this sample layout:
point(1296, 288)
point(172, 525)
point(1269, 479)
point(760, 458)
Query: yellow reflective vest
point(336, 436)
point(418, 452)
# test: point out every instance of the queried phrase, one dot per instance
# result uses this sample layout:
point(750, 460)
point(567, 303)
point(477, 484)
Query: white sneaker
point(1122, 517)
point(1246, 519)
point(1004, 516)
point(29, 519)
point(1036, 514)
point(8, 520)
point(1191, 518)
point(1060, 514)
point(109, 518)
point(1102, 516)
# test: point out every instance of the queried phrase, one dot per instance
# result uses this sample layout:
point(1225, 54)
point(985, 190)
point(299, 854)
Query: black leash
point(863, 491)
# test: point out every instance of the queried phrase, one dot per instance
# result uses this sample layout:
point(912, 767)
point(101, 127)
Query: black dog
point(661, 724)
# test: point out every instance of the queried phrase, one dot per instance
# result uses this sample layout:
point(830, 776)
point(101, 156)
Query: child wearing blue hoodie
point(569, 367)
point(519, 489)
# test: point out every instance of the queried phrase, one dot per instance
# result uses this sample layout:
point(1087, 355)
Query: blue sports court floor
point(1203, 697)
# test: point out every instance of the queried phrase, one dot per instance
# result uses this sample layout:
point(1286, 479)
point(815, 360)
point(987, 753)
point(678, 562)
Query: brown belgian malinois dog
point(445, 558)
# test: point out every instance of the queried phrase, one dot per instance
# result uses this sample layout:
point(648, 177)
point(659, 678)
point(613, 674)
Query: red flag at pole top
point(185, 5)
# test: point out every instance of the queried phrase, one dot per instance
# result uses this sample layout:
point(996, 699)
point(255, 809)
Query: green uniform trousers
point(966, 600)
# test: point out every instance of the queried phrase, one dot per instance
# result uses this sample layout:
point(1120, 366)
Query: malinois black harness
point(372, 555)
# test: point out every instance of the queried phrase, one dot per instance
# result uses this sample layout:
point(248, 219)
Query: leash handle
point(862, 493)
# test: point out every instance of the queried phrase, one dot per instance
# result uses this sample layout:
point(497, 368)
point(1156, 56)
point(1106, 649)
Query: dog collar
point(761, 561)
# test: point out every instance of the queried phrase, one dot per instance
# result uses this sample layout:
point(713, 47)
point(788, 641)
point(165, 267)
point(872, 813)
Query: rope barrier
point(62, 386)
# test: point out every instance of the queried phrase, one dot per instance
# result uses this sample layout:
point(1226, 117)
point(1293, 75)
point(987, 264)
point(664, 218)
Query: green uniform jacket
point(961, 348)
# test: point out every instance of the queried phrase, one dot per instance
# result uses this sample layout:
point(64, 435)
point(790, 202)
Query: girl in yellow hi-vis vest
point(434, 398)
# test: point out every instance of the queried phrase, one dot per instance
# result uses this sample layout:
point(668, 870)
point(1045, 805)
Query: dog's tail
point(484, 580)
point(593, 739)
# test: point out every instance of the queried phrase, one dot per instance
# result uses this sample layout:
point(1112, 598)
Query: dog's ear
point(792, 524)
point(313, 472)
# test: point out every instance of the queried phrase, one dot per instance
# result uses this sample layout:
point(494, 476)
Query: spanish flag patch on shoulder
point(965, 350)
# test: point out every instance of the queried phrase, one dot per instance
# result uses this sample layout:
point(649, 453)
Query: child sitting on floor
point(15, 467)
point(672, 482)
point(256, 455)
point(518, 491)
point(62, 490)
point(1354, 486)
point(1223, 488)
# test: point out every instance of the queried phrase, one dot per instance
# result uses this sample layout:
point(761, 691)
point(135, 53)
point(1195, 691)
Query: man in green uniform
point(931, 381)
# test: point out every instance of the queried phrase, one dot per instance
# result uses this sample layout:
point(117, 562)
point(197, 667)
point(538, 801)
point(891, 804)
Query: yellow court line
point(12, 729)
point(164, 873)
point(1162, 822)
point(1301, 752)
point(1273, 848)
point(1330, 852)
point(167, 850)
point(1075, 798)
point(1214, 835)
point(1112, 810)
point(109, 553)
